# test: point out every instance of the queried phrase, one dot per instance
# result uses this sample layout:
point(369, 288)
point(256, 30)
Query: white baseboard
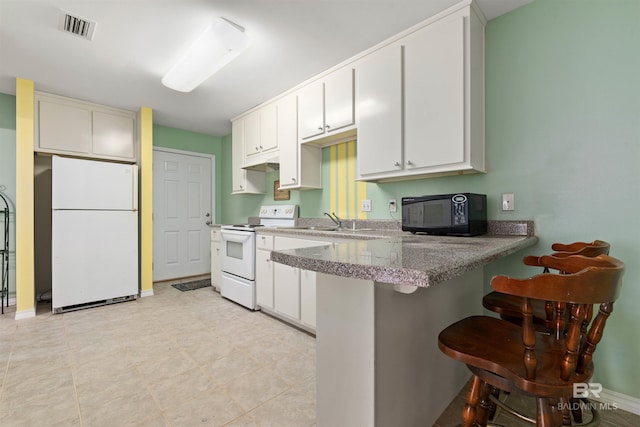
point(621, 401)
point(26, 314)
point(146, 293)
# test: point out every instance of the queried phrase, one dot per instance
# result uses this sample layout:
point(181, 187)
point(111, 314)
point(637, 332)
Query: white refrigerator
point(94, 241)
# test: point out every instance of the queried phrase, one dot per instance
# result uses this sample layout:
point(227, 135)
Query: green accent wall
point(562, 133)
point(180, 139)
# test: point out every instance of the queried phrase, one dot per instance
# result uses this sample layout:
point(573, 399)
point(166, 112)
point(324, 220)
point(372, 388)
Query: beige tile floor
point(174, 359)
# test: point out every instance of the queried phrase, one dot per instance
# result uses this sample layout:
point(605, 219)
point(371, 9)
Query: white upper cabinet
point(434, 82)
point(243, 181)
point(300, 165)
point(338, 100)
point(260, 132)
point(68, 126)
point(113, 134)
point(420, 102)
point(311, 110)
point(415, 101)
point(326, 106)
point(288, 141)
point(379, 96)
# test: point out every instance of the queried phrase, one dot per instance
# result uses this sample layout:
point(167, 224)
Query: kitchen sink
point(340, 230)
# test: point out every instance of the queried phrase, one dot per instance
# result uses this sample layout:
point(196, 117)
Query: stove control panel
point(279, 211)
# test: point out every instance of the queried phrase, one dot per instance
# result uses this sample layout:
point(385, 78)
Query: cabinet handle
point(217, 249)
point(257, 149)
point(241, 187)
point(320, 128)
point(293, 179)
point(327, 126)
point(261, 147)
point(409, 163)
point(396, 164)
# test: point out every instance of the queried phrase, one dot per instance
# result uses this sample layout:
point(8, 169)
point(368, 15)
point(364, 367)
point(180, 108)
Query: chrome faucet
point(335, 219)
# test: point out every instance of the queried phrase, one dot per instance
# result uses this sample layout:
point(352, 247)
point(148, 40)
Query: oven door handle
point(235, 236)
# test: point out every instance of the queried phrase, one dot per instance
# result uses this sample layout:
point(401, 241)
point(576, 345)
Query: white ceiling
point(137, 41)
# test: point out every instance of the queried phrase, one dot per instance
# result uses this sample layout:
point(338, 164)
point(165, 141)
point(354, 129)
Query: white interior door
point(182, 205)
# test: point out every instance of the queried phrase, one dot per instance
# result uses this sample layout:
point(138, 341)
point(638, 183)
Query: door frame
point(211, 157)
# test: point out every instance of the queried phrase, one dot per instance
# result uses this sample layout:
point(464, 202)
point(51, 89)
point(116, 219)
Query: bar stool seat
point(515, 358)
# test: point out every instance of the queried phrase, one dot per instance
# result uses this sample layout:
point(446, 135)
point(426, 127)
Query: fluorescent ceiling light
point(220, 43)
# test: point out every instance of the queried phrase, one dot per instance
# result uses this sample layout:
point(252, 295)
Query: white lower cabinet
point(286, 281)
point(216, 270)
point(288, 292)
point(264, 272)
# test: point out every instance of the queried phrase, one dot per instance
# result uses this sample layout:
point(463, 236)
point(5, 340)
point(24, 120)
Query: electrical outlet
point(508, 202)
point(393, 205)
point(365, 205)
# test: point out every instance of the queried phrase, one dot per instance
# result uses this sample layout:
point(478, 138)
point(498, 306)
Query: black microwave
point(460, 214)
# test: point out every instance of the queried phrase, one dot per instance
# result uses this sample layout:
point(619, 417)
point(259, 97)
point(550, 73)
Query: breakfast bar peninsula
point(380, 304)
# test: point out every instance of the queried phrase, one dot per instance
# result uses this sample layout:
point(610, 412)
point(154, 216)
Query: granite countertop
point(395, 257)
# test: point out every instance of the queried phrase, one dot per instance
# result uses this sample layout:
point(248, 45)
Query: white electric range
point(238, 253)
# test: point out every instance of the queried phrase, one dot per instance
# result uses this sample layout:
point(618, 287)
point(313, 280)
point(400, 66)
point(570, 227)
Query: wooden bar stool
point(546, 317)
point(518, 359)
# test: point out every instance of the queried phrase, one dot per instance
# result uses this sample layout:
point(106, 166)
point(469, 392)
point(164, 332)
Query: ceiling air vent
point(75, 25)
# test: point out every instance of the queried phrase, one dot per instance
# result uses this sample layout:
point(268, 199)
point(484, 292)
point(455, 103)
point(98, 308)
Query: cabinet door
point(308, 297)
point(434, 95)
point(215, 265)
point(311, 110)
point(113, 135)
point(268, 127)
point(338, 100)
point(264, 279)
point(379, 98)
point(288, 140)
point(260, 131)
point(237, 154)
point(252, 134)
point(286, 283)
point(64, 127)
point(242, 181)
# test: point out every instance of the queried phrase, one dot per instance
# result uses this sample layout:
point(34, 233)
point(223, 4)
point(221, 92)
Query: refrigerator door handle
point(135, 187)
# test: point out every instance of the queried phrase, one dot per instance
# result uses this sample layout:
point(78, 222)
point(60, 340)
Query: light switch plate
point(393, 205)
point(365, 205)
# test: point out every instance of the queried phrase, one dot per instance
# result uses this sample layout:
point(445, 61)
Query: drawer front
point(284, 243)
point(264, 242)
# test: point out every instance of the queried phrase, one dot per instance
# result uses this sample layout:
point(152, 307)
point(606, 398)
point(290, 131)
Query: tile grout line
point(73, 375)
point(6, 368)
